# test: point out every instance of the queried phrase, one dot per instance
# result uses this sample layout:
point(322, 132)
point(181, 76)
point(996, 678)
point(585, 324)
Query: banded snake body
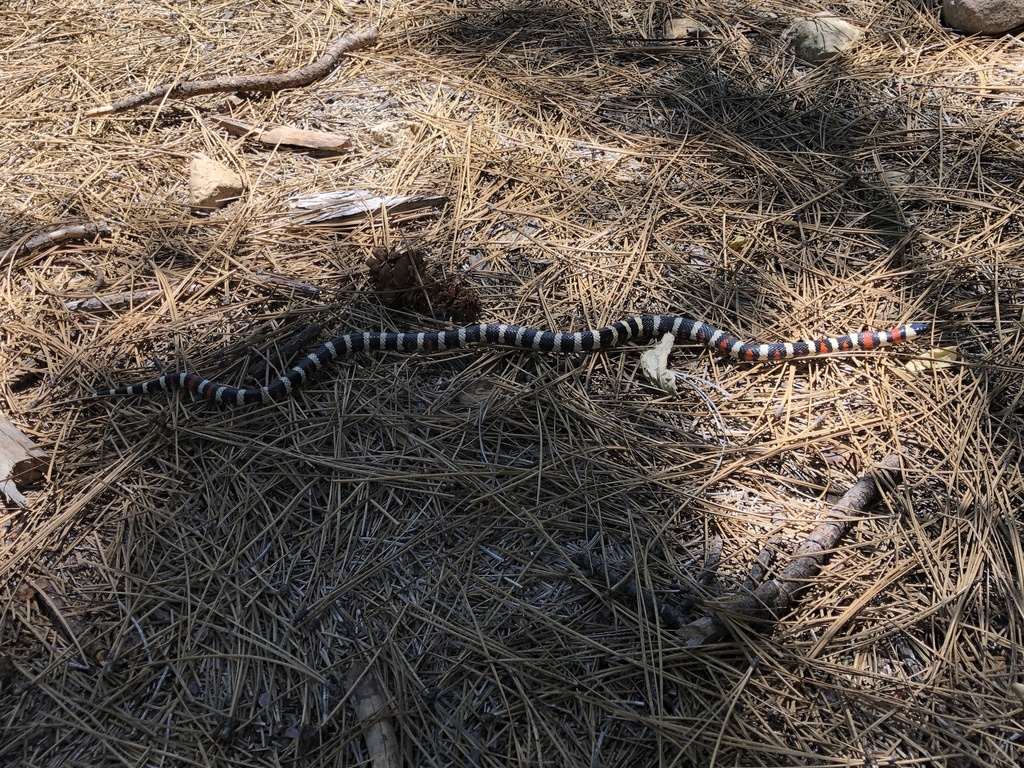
point(519, 337)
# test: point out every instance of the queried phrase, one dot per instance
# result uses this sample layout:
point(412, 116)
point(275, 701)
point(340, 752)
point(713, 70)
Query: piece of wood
point(777, 595)
point(283, 135)
point(296, 78)
point(22, 462)
point(373, 710)
point(113, 301)
point(57, 236)
point(351, 207)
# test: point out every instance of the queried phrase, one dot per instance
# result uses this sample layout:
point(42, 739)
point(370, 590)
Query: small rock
point(821, 37)
point(211, 185)
point(986, 16)
point(390, 133)
point(683, 28)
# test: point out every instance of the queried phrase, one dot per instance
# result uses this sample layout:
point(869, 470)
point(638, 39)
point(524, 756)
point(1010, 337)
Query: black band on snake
point(635, 328)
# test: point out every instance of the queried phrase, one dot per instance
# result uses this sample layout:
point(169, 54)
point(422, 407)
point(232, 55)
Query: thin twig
point(776, 595)
point(296, 78)
point(55, 237)
point(119, 300)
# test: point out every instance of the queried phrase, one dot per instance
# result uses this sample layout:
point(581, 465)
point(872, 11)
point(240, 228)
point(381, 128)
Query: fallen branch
point(55, 237)
point(775, 596)
point(374, 712)
point(119, 300)
point(297, 78)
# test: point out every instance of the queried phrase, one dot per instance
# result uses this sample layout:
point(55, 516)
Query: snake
point(637, 328)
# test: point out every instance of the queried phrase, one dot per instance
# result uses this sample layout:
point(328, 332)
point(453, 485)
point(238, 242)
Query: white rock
point(821, 37)
point(211, 185)
point(988, 16)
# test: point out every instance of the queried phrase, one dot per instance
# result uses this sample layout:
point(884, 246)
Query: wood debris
point(776, 595)
point(284, 135)
point(250, 83)
point(353, 207)
point(373, 708)
point(80, 231)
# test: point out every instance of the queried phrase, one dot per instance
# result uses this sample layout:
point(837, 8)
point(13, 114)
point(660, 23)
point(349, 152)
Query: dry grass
point(419, 513)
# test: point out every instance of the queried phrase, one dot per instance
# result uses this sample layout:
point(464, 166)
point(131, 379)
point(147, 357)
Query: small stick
point(776, 595)
point(373, 710)
point(119, 300)
point(301, 288)
point(759, 569)
point(55, 237)
point(297, 78)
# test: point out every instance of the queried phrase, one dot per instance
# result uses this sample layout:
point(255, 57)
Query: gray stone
point(821, 37)
point(987, 16)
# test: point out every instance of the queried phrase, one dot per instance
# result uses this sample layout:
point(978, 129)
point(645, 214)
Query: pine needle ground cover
point(466, 557)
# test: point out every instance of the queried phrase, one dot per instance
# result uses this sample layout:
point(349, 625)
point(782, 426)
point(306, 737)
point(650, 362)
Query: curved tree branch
point(296, 78)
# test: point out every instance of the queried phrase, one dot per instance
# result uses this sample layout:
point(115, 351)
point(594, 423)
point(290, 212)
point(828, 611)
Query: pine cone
point(403, 280)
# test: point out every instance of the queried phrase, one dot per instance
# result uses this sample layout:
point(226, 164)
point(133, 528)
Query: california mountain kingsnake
point(635, 328)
